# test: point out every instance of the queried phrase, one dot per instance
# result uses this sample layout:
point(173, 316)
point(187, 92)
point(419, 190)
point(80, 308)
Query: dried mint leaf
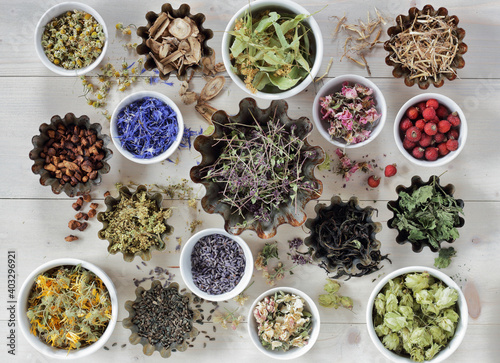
point(444, 259)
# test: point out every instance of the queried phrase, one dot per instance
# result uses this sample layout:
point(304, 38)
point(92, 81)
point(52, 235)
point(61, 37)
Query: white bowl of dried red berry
point(430, 130)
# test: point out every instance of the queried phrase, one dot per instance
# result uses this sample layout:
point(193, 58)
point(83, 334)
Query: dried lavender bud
point(217, 264)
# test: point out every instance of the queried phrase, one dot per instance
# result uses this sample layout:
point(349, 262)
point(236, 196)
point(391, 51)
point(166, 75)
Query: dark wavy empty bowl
point(403, 22)
point(393, 206)
point(291, 212)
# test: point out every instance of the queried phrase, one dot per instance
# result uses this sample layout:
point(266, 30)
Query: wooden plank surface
point(34, 220)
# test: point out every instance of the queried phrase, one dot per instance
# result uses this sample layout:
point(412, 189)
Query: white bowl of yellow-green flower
point(417, 314)
point(67, 308)
point(284, 323)
point(272, 49)
point(71, 39)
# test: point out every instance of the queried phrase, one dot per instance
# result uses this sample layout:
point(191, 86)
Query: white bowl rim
point(461, 138)
point(134, 97)
point(60, 9)
point(34, 341)
point(297, 352)
point(459, 332)
point(185, 265)
point(353, 78)
point(311, 22)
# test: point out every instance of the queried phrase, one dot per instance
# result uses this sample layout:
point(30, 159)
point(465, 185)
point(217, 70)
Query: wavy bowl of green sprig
point(272, 49)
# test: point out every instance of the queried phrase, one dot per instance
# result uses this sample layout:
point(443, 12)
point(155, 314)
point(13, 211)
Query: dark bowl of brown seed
point(70, 154)
point(161, 319)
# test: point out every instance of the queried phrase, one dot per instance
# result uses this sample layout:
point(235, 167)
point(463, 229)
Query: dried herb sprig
point(269, 252)
point(69, 307)
point(427, 47)
point(260, 168)
point(347, 167)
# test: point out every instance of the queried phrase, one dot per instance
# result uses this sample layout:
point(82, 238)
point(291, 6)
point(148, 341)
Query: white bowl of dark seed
point(216, 265)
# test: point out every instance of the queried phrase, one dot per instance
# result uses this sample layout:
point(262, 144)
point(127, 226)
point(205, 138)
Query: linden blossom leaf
point(261, 80)
point(266, 22)
point(238, 46)
point(283, 83)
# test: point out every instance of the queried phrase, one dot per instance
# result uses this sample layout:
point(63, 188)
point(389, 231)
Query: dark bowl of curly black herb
point(426, 214)
point(342, 239)
point(161, 319)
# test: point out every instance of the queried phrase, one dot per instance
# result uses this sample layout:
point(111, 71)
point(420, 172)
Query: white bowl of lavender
point(349, 111)
point(216, 265)
point(146, 127)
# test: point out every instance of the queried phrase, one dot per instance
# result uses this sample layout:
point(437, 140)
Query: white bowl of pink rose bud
point(349, 111)
point(430, 130)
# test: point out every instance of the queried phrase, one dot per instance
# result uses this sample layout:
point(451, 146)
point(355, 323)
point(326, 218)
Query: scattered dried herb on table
point(350, 113)
point(217, 264)
point(73, 40)
point(163, 316)
point(271, 51)
point(260, 168)
point(135, 224)
point(344, 235)
point(69, 307)
point(332, 298)
point(416, 315)
point(429, 214)
point(147, 127)
point(283, 322)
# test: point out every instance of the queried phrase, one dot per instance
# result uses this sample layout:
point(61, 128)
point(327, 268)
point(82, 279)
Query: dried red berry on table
point(444, 126)
point(431, 153)
point(92, 213)
point(429, 114)
point(452, 144)
point(94, 205)
point(405, 124)
point(443, 150)
point(390, 170)
point(409, 145)
point(373, 181)
point(418, 152)
point(430, 129)
point(432, 103)
point(107, 194)
point(412, 113)
point(74, 224)
point(442, 112)
point(420, 124)
point(425, 140)
point(413, 134)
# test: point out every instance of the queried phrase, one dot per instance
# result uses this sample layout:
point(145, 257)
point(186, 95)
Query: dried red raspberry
point(409, 145)
point(432, 103)
point(418, 152)
point(454, 119)
point(412, 113)
point(425, 140)
point(413, 134)
point(443, 150)
point(444, 126)
point(429, 114)
point(431, 153)
point(452, 144)
point(373, 181)
point(420, 124)
point(439, 138)
point(430, 128)
point(405, 124)
point(390, 170)
point(453, 134)
point(442, 112)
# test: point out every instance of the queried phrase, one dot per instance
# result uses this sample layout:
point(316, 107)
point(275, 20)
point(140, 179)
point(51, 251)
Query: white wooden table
point(34, 220)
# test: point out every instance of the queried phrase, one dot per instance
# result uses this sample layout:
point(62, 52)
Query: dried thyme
point(135, 224)
point(69, 307)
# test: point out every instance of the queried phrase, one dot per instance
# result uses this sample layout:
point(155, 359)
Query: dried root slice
point(180, 28)
point(161, 22)
point(206, 111)
point(212, 88)
point(188, 97)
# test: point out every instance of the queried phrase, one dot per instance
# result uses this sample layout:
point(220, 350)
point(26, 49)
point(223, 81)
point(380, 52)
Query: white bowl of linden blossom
point(293, 352)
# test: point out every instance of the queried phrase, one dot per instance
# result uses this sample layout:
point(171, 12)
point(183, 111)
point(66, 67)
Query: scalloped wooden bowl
point(148, 349)
point(39, 141)
point(210, 150)
point(112, 202)
point(417, 182)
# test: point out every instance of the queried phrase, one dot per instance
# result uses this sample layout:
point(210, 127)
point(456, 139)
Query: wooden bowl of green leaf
point(426, 214)
point(135, 224)
point(272, 49)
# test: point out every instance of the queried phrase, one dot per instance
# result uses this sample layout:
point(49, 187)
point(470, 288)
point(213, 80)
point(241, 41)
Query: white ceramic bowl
point(452, 106)
point(290, 7)
point(335, 85)
point(114, 130)
point(22, 307)
point(185, 265)
point(55, 11)
point(293, 352)
point(462, 323)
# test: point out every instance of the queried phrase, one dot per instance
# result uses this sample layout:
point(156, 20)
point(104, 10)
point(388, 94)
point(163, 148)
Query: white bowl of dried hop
point(299, 330)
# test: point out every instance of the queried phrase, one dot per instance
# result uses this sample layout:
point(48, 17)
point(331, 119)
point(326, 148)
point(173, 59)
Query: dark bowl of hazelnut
point(70, 154)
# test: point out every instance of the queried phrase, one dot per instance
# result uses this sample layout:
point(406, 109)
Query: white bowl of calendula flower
point(284, 323)
point(71, 39)
point(67, 308)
